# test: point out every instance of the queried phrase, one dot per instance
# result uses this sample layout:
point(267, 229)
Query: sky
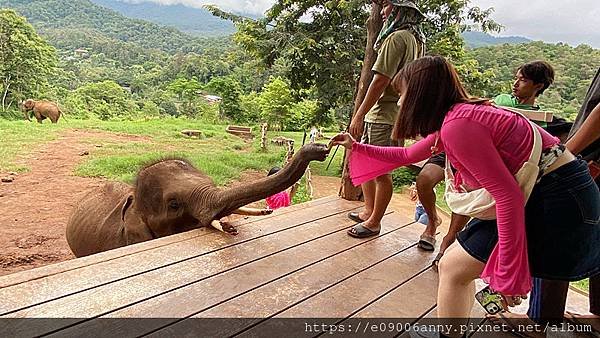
point(570, 21)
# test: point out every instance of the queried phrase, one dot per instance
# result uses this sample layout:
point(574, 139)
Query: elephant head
point(28, 104)
point(171, 196)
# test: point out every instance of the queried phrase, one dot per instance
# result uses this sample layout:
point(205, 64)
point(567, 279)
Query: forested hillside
point(194, 21)
point(574, 67)
point(293, 74)
point(59, 20)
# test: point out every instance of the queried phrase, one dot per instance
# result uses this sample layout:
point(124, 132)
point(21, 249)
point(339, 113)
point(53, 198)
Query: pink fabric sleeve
point(368, 162)
point(279, 200)
point(507, 269)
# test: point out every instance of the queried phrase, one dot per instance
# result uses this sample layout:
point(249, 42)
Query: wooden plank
point(396, 311)
point(49, 270)
point(285, 293)
point(156, 259)
point(346, 299)
point(222, 274)
point(327, 238)
point(413, 299)
point(352, 295)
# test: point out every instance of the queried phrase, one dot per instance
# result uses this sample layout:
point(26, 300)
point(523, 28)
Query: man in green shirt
point(399, 42)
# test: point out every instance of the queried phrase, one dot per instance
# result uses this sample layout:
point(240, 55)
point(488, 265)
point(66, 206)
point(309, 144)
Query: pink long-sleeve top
point(487, 146)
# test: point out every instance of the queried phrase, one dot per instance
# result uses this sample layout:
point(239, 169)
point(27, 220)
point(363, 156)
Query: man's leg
point(383, 195)
point(378, 192)
point(547, 301)
point(595, 295)
point(430, 175)
point(369, 189)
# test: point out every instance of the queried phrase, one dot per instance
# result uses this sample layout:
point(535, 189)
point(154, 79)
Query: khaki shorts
point(378, 134)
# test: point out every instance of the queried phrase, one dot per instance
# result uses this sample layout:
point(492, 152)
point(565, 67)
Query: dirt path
point(35, 207)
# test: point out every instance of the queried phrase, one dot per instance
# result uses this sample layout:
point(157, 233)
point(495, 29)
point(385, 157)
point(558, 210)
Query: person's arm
point(368, 161)
point(588, 133)
point(507, 269)
point(376, 88)
point(293, 191)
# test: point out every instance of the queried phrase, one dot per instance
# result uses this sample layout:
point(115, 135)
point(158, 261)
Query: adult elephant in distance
point(171, 196)
point(41, 110)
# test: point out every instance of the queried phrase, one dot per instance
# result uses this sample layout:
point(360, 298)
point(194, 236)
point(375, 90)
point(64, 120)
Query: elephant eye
point(173, 205)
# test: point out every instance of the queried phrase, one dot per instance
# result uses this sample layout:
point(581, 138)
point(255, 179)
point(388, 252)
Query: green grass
point(220, 155)
point(19, 137)
point(582, 285)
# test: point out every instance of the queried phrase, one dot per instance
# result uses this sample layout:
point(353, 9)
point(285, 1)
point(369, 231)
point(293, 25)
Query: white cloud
point(254, 7)
point(570, 21)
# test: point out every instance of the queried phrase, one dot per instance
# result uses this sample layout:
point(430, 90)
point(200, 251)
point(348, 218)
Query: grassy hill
point(194, 21)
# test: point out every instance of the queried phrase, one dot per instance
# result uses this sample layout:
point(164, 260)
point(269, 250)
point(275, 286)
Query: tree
point(326, 51)
point(26, 60)
point(106, 100)
point(187, 92)
point(229, 90)
point(275, 103)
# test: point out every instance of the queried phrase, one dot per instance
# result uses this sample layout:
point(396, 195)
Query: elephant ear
point(136, 230)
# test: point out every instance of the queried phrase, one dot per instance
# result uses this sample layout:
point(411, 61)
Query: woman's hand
point(343, 139)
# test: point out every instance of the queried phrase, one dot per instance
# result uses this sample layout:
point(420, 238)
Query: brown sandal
point(427, 242)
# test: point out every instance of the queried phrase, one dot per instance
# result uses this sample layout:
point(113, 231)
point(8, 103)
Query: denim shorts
point(562, 220)
point(421, 215)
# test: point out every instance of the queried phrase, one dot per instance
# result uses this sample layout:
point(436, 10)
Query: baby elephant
point(42, 110)
point(171, 196)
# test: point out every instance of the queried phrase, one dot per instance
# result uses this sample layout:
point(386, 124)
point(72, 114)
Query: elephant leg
point(252, 211)
point(39, 117)
point(223, 226)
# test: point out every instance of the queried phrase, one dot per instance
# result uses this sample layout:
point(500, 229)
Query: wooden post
point(374, 23)
point(290, 152)
point(263, 139)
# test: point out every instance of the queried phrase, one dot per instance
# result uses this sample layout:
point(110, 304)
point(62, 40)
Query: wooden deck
point(296, 263)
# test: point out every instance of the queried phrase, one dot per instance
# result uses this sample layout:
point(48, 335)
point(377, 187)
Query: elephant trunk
point(232, 199)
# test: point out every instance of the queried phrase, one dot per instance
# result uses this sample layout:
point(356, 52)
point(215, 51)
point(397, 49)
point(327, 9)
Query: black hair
point(538, 72)
point(273, 171)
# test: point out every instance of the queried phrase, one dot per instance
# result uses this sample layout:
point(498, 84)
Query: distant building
point(82, 53)
point(212, 98)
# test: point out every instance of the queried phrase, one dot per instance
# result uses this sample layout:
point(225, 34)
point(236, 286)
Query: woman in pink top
point(557, 236)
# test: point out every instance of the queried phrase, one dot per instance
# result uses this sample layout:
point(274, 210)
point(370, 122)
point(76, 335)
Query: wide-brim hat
point(408, 4)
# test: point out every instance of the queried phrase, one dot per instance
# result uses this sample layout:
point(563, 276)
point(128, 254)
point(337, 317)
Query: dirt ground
point(35, 206)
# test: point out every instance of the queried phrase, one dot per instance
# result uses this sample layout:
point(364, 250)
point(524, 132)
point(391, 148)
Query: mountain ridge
point(480, 39)
point(190, 20)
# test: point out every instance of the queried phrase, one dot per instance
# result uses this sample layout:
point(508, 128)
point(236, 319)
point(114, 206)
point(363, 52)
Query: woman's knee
point(458, 267)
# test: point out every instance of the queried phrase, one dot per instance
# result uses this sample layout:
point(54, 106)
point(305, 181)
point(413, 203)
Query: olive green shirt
point(398, 49)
